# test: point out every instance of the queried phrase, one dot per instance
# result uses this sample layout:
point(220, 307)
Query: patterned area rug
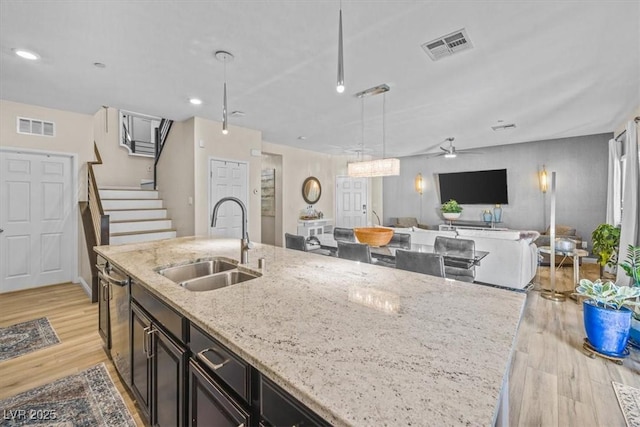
point(629, 400)
point(25, 337)
point(88, 398)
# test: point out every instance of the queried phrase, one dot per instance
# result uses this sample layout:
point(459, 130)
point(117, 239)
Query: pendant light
point(224, 57)
point(340, 82)
point(379, 167)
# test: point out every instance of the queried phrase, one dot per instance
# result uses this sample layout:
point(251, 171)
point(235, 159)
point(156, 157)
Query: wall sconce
point(544, 182)
point(419, 184)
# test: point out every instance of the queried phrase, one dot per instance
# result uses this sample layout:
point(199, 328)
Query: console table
point(314, 227)
point(457, 223)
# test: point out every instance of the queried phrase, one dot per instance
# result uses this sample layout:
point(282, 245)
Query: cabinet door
point(209, 405)
point(168, 367)
point(140, 358)
point(278, 408)
point(103, 312)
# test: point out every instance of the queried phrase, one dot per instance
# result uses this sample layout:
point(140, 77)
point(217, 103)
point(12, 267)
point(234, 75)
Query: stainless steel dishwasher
point(119, 315)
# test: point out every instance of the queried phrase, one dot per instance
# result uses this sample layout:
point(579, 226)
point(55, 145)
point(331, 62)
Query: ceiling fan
point(450, 152)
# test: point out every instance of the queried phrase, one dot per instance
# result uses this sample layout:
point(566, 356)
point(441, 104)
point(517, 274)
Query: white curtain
point(630, 230)
point(614, 184)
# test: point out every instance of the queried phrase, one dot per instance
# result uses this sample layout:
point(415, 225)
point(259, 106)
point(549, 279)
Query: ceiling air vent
point(36, 127)
point(447, 45)
point(501, 127)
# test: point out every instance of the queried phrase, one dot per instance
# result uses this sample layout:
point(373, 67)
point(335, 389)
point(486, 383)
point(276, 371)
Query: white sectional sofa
point(512, 261)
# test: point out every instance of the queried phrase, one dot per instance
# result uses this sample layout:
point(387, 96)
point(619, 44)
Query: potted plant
point(631, 267)
point(607, 316)
point(606, 239)
point(451, 209)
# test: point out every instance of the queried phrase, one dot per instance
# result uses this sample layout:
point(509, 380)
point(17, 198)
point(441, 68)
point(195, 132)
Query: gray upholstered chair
point(400, 240)
point(344, 234)
point(291, 241)
point(420, 262)
point(457, 248)
point(354, 251)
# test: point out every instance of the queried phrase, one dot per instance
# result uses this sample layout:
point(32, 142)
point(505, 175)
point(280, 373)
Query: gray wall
point(580, 164)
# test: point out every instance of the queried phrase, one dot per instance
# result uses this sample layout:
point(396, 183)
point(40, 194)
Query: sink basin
point(217, 281)
point(185, 272)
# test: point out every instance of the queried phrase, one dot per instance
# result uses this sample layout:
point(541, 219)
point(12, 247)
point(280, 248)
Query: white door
point(36, 213)
point(228, 178)
point(351, 202)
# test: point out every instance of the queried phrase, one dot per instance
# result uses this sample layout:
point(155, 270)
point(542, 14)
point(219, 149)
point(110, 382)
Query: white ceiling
point(555, 68)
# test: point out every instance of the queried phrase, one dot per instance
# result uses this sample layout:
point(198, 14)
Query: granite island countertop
point(358, 344)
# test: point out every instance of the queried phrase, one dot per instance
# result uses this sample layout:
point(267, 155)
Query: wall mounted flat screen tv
point(474, 188)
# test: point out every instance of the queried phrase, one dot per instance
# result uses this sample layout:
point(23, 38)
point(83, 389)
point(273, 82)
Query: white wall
point(580, 163)
point(176, 177)
point(118, 168)
point(74, 134)
point(297, 165)
point(236, 145)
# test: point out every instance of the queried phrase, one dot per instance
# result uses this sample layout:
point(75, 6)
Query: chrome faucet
point(244, 240)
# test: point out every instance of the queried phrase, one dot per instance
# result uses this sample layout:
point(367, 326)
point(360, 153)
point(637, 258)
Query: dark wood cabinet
point(203, 383)
point(158, 371)
point(140, 361)
point(278, 408)
point(210, 404)
point(168, 373)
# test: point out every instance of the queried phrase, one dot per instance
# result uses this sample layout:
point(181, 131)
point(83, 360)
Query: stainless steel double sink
point(207, 275)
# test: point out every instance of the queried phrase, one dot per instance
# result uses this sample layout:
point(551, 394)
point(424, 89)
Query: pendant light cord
point(362, 127)
point(384, 102)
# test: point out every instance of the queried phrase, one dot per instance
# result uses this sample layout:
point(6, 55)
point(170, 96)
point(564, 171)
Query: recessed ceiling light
point(302, 137)
point(195, 101)
point(26, 54)
point(99, 65)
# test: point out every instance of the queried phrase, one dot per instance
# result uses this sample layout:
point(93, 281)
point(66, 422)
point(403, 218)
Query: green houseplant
point(451, 209)
point(631, 266)
point(607, 314)
point(606, 239)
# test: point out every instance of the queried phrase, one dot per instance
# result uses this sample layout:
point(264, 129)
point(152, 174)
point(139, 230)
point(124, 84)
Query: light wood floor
point(75, 320)
point(552, 383)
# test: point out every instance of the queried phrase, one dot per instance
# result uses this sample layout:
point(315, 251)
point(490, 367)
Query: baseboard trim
point(85, 286)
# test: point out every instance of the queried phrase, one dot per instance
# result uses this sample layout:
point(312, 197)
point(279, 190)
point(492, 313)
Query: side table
point(576, 254)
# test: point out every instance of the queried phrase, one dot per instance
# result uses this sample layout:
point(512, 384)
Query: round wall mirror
point(311, 190)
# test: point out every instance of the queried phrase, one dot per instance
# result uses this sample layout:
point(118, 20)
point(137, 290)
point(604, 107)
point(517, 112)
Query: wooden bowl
point(373, 236)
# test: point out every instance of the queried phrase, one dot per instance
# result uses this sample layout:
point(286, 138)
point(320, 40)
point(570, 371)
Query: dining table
point(387, 254)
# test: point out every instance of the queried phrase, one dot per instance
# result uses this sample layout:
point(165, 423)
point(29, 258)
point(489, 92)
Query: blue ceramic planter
point(607, 330)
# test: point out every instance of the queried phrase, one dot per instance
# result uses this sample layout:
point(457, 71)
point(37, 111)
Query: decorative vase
point(486, 216)
point(497, 213)
point(607, 329)
point(451, 215)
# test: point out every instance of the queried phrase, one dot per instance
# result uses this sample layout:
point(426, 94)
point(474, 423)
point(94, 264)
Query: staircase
point(135, 215)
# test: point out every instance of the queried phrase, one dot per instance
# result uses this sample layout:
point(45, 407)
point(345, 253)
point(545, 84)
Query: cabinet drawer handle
point(145, 348)
point(213, 366)
point(121, 282)
point(150, 332)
